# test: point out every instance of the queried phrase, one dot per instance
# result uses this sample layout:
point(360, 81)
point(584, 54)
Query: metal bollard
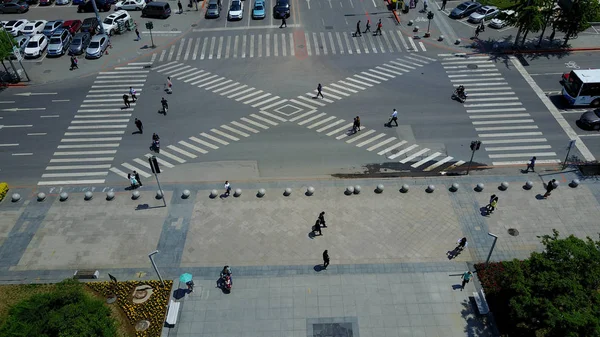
point(287, 192)
point(213, 194)
point(349, 190)
point(479, 187)
point(238, 192)
point(185, 194)
point(357, 189)
point(528, 185)
point(379, 188)
point(41, 196)
point(64, 196)
point(574, 183)
point(310, 191)
point(110, 195)
point(430, 189)
point(404, 188)
point(88, 196)
point(454, 187)
point(135, 195)
point(15, 197)
point(261, 193)
point(503, 186)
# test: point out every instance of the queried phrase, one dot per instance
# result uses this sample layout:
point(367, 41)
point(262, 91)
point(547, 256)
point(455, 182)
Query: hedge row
point(3, 190)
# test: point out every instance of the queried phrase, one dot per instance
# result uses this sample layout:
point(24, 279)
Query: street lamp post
point(154, 265)
point(491, 249)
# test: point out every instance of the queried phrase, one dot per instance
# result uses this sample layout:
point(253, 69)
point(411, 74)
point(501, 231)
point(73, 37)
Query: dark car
point(157, 9)
point(90, 25)
point(78, 2)
point(14, 6)
point(464, 9)
point(590, 120)
point(46, 2)
point(102, 5)
point(80, 43)
point(281, 9)
point(72, 26)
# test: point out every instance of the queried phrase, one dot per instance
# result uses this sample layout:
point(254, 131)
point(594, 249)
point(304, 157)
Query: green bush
point(66, 312)
point(3, 190)
point(502, 4)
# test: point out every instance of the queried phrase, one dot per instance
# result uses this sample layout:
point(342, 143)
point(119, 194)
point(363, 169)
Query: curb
point(396, 17)
point(540, 51)
point(17, 85)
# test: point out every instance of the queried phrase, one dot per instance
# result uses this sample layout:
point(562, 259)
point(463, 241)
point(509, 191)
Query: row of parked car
point(59, 37)
point(149, 9)
point(236, 9)
point(478, 13)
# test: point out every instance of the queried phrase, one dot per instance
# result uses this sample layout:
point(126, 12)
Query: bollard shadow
point(319, 268)
point(180, 293)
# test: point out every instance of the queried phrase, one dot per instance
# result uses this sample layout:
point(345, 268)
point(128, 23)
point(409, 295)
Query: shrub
point(3, 190)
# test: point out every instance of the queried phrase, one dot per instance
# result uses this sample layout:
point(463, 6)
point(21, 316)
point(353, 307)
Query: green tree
point(6, 43)
point(576, 16)
point(548, 11)
point(527, 18)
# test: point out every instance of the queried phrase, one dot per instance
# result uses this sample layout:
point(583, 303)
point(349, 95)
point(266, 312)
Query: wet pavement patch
point(332, 327)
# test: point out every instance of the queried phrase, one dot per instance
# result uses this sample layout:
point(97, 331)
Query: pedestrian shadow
point(124, 107)
point(456, 287)
point(223, 196)
point(319, 268)
point(452, 254)
point(136, 132)
point(484, 211)
point(312, 235)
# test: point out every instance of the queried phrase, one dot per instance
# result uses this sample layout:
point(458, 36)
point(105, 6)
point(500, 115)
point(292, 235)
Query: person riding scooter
point(226, 279)
point(460, 93)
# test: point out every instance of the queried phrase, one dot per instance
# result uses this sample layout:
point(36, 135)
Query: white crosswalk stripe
point(496, 113)
point(90, 135)
point(277, 45)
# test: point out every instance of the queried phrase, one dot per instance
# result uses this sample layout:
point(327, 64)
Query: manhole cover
point(513, 231)
point(329, 27)
point(173, 29)
point(47, 71)
point(167, 25)
point(194, 25)
point(472, 66)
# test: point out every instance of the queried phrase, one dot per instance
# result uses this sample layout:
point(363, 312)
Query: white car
point(14, 27)
point(236, 11)
point(36, 46)
point(110, 24)
point(63, 2)
point(130, 5)
point(34, 27)
point(501, 20)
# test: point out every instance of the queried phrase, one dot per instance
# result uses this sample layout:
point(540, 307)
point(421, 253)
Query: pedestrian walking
point(482, 26)
point(368, 26)
point(133, 93)
point(74, 62)
point(126, 101)
point(137, 177)
point(357, 33)
point(132, 180)
point(317, 228)
point(393, 118)
point(424, 6)
point(227, 188)
point(356, 125)
point(477, 31)
point(443, 5)
point(531, 165)
point(462, 244)
point(466, 277)
point(137, 32)
point(283, 22)
point(379, 25)
point(190, 286)
point(169, 85)
point(325, 259)
point(180, 6)
point(549, 187)
point(491, 207)
point(319, 93)
point(139, 125)
point(322, 219)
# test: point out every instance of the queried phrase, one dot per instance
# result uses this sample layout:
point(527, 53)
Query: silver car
point(97, 46)
point(59, 42)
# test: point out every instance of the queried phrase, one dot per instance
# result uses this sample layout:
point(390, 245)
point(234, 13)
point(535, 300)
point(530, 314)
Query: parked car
point(59, 42)
point(213, 10)
point(51, 27)
point(110, 23)
point(236, 10)
point(63, 2)
point(130, 5)
point(90, 25)
point(258, 11)
point(15, 27)
point(31, 2)
point(14, 6)
point(21, 43)
point(36, 46)
point(72, 26)
point(464, 9)
point(46, 2)
point(483, 14)
point(501, 20)
point(157, 10)
point(34, 27)
point(80, 42)
point(590, 120)
point(87, 7)
point(97, 46)
point(78, 2)
point(281, 9)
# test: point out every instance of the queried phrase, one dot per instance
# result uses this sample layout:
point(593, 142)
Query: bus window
point(590, 89)
point(573, 85)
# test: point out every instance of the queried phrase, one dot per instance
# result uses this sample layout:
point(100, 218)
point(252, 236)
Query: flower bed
point(3, 190)
point(152, 310)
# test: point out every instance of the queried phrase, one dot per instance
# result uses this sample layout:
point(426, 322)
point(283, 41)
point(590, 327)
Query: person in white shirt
point(133, 94)
point(394, 118)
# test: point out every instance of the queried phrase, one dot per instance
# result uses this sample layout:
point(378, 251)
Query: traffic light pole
point(470, 161)
point(474, 147)
point(150, 26)
point(156, 170)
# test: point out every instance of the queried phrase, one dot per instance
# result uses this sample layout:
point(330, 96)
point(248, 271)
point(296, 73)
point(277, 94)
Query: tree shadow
point(477, 325)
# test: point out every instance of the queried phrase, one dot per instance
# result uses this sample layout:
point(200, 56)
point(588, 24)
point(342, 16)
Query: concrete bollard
point(430, 189)
point(64, 196)
point(503, 186)
point(349, 190)
point(479, 187)
point(309, 191)
point(287, 192)
point(457, 42)
point(454, 187)
point(185, 194)
point(159, 195)
point(379, 188)
point(411, 22)
point(261, 192)
point(135, 195)
point(574, 183)
point(357, 189)
point(88, 195)
point(16, 197)
point(441, 38)
point(214, 194)
point(528, 185)
point(404, 188)
point(110, 195)
point(238, 192)
point(416, 29)
point(41, 196)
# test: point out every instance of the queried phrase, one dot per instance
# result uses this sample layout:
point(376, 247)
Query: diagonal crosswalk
point(283, 45)
point(507, 131)
point(87, 149)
